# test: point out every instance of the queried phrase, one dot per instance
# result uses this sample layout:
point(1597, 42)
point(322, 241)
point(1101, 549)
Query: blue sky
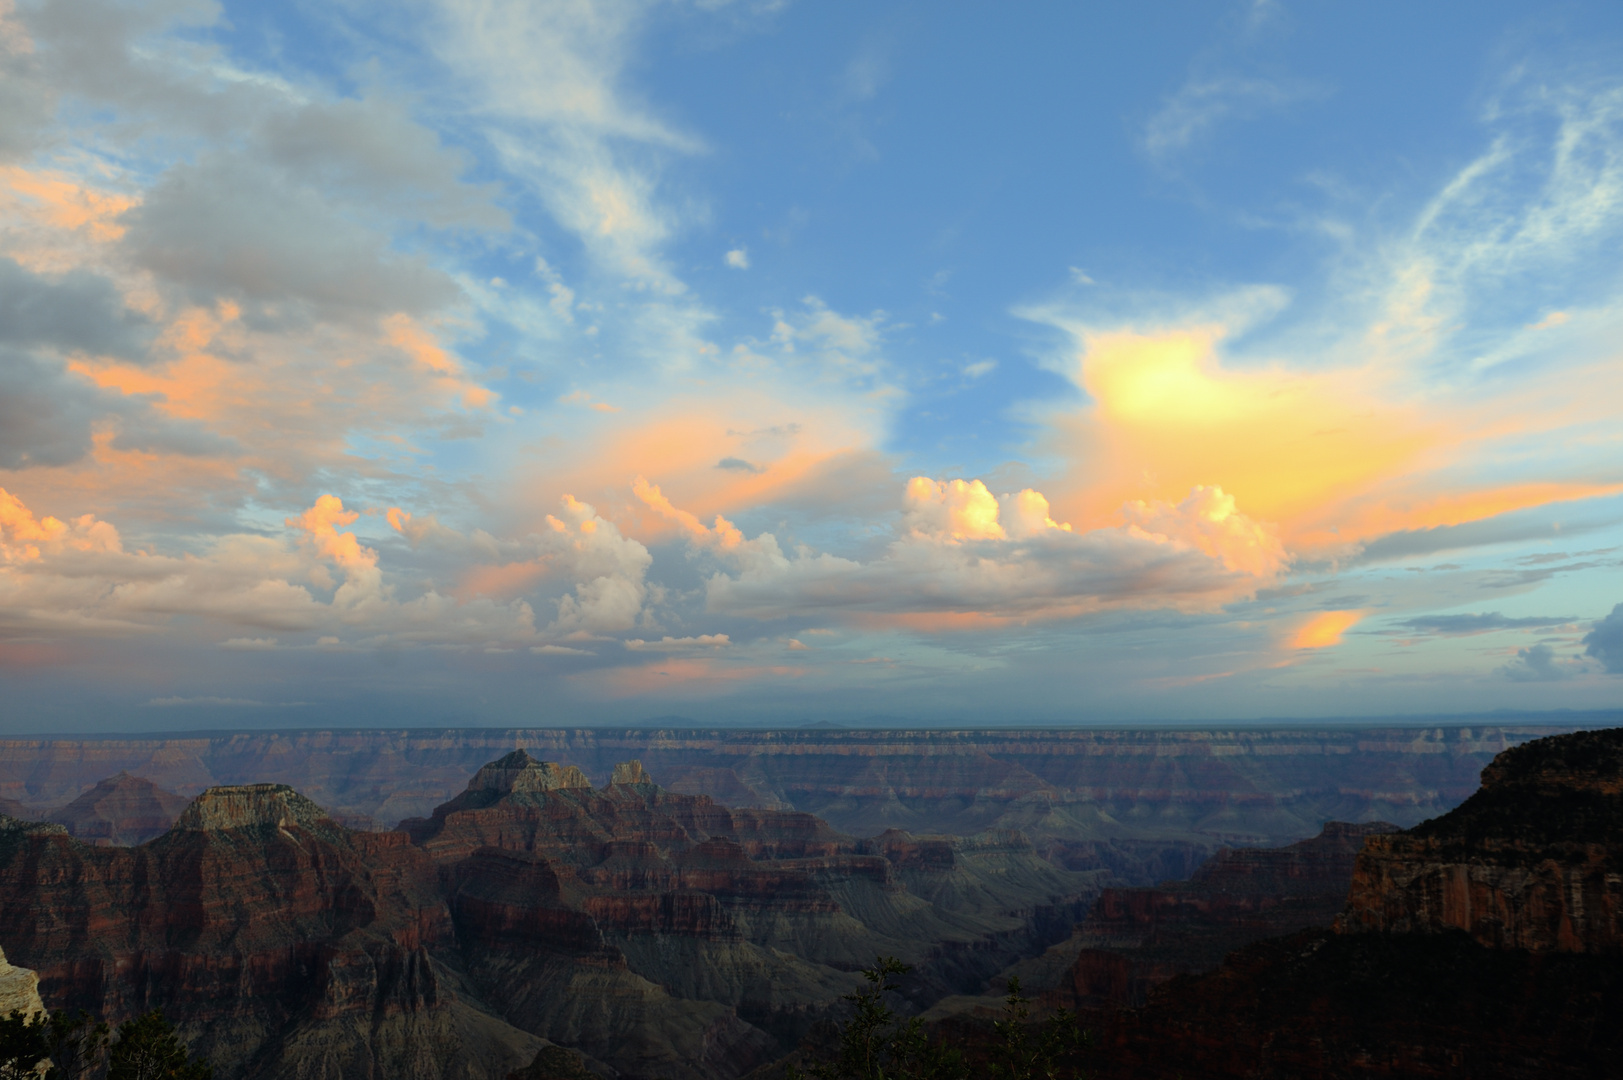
point(564, 362)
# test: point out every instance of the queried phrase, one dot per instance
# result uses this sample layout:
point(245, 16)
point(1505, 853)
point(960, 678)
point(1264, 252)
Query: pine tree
point(148, 1049)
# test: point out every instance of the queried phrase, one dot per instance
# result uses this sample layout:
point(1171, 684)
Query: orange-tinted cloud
point(1331, 457)
point(1325, 629)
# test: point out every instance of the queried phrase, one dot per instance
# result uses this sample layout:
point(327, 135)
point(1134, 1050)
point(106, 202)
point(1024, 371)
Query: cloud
point(222, 702)
point(46, 413)
point(679, 644)
point(1539, 663)
point(1605, 641)
point(560, 650)
point(608, 570)
point(79, 311)
point(249, 644)
point(227, 227)
point(1200, 105)
point(1325, 629)
point(964, 553)
point(1480, 624)
point(738, 259)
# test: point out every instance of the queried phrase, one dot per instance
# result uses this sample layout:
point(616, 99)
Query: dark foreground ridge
point(1484, 943)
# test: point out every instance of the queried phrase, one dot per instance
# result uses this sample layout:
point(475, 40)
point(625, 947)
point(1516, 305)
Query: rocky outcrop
point(19, 990)
point(122, 809)
point(279, 943)
point(1146, 804)
point(1534, 860)
point(718, 933)
point(1479, 944)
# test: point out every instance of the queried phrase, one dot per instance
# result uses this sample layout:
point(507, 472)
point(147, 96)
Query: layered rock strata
point(122, 809)
point(1534, 860)
point(280, 943)
point(1146, 804)
point(725, 930)
point(1481, 944)
point(661, 935)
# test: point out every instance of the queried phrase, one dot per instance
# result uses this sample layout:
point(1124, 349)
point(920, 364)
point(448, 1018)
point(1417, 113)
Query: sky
point(585, 361)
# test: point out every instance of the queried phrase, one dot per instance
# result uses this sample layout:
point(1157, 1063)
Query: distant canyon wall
point(1064, 788)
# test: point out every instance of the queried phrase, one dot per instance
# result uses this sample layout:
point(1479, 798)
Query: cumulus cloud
point(1540, 663)
point(77, 574)
point(965, 552)
point(738, 259)
point(1605, 641)
point(679, 644)
point(608, 569)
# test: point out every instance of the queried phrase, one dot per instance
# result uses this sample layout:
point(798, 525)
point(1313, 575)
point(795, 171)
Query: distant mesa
point(518, 772)
point(250, 806)
point(121, 810)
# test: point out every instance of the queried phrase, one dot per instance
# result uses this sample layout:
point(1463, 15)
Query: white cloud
point(1201, 104)
point(679, 644)
point(738, 259)
point(968, 552)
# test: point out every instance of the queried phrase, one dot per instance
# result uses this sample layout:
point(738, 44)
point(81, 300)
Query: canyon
point(1482, 943)
point(557, 914)
point(656, 933)
point(1147, 804)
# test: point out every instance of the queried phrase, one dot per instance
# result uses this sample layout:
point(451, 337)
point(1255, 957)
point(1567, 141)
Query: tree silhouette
point(148, 1049)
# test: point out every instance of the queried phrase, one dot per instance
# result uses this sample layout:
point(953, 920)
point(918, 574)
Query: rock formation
point(1146, 804)
point(1532, 861)
point(1483, 943)
point(279, 942)
point(19, 990)
point(122, 809)
point(660, 935)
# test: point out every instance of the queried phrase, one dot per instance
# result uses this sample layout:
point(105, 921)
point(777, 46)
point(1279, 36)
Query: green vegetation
point(60, 1046)
point(874, 1044)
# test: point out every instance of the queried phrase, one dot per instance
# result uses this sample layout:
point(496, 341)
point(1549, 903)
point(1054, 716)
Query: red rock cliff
point(1534, 860)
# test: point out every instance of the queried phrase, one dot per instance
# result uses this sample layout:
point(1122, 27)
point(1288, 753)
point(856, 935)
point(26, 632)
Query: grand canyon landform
point(693, 905)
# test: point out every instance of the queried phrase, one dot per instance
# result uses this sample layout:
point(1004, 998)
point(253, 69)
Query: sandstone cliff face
point(655, 930)
point(280, 943)
point(122, 809)
point(1480, 944)
point(19, 990)
point(1533, 861)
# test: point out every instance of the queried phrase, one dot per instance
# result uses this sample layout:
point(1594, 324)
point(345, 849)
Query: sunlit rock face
point(519, 773)
point(1532, 861)
point(19, 990)
point(248, 806)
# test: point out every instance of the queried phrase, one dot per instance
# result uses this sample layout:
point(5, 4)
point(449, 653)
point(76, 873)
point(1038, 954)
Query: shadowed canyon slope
point(1133, 940)
point(1484, 943)
point(1148, 804)
point(662, 934)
